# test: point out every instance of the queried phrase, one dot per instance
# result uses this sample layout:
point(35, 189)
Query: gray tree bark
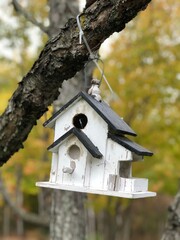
point(6, 221)
point(67, 211)
point(172, 229)
point(60, 59)
point(67, 216)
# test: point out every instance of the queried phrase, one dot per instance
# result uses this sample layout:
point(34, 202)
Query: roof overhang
point(115, 122)
point(82, 138)
point(130, 145)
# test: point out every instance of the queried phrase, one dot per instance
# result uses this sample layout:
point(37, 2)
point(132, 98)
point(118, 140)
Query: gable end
point(82, 138)
point(50, 122)
point(115, 123)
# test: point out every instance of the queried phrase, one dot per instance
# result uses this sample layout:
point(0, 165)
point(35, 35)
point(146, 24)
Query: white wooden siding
point(117, 152)
point(96, 128)
point(114, 154)
point(132, 184)
point(54, 165)
point(87, 178)
point(77, 177)
point(96, 173)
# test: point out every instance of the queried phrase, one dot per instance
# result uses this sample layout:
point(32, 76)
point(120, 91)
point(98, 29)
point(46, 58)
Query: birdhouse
point(91, 151)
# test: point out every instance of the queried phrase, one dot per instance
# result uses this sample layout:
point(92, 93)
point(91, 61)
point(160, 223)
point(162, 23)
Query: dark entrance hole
point(80, 121)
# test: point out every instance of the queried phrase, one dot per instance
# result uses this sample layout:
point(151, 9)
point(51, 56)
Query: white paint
point(75, 177)
point(94, 91)
point(132, 184)
point(53, 173)
point(94, 191)
point(96, 173)
point(96, 129)
point(64, 120)
point(87, 178)
point(75, 169)
point(69, 169)
point(89, 171)
point(96, 126)
point(116, 152)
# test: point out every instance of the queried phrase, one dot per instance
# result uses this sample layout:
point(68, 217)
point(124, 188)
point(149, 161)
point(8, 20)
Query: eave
point(130, 145)
point(93, 150)
point(115, 122)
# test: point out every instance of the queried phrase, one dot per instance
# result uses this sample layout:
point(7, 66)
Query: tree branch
point(60, 59)
point(18, 8)
point(28, 217)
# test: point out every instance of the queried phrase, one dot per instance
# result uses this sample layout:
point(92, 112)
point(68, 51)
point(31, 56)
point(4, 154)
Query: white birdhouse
point(91, 153)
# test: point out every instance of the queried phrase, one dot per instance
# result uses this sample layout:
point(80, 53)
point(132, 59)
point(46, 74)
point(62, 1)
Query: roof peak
point(115, 122)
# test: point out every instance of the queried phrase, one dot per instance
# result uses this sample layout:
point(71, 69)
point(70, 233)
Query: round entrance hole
point(80, 121)
point(74, 152)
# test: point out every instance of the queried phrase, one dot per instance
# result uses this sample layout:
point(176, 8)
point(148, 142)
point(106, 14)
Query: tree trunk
point(67, 216)
point(19, 201)
point(172, 229)
point(6, 221)
point(67, 211)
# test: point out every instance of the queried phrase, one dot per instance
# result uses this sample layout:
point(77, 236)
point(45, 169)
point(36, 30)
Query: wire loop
point(92, 55)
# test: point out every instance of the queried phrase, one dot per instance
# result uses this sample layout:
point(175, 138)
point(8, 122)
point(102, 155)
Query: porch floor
point(95, 191)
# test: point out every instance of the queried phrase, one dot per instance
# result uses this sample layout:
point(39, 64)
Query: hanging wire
point(102, 69)
point(85, 71)
point(93, 57)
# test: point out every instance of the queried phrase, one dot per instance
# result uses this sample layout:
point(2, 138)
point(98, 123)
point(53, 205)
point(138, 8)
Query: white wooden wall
point(96, 128)
point(54, 166)
point(90, 172)
point(114, 154)
point(78, 176)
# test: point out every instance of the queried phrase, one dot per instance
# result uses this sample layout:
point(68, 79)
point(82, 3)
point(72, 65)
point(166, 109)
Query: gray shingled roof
point(116, 124)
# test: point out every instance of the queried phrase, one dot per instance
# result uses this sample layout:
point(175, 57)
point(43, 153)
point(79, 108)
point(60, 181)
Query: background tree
point(172, 229)
point(67, 210)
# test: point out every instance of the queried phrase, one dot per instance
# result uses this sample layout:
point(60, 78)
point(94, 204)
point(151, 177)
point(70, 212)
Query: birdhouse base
point(95, 191)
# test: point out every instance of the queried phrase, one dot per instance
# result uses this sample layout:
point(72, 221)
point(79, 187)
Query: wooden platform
point(132, 195)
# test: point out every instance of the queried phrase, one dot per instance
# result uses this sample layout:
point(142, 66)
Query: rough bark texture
point(59, 13)
point(68, 221)
point(67, 209)
point(172, 230)
point(60, 59)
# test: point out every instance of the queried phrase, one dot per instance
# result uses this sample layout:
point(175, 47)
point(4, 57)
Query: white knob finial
point(94, 90)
